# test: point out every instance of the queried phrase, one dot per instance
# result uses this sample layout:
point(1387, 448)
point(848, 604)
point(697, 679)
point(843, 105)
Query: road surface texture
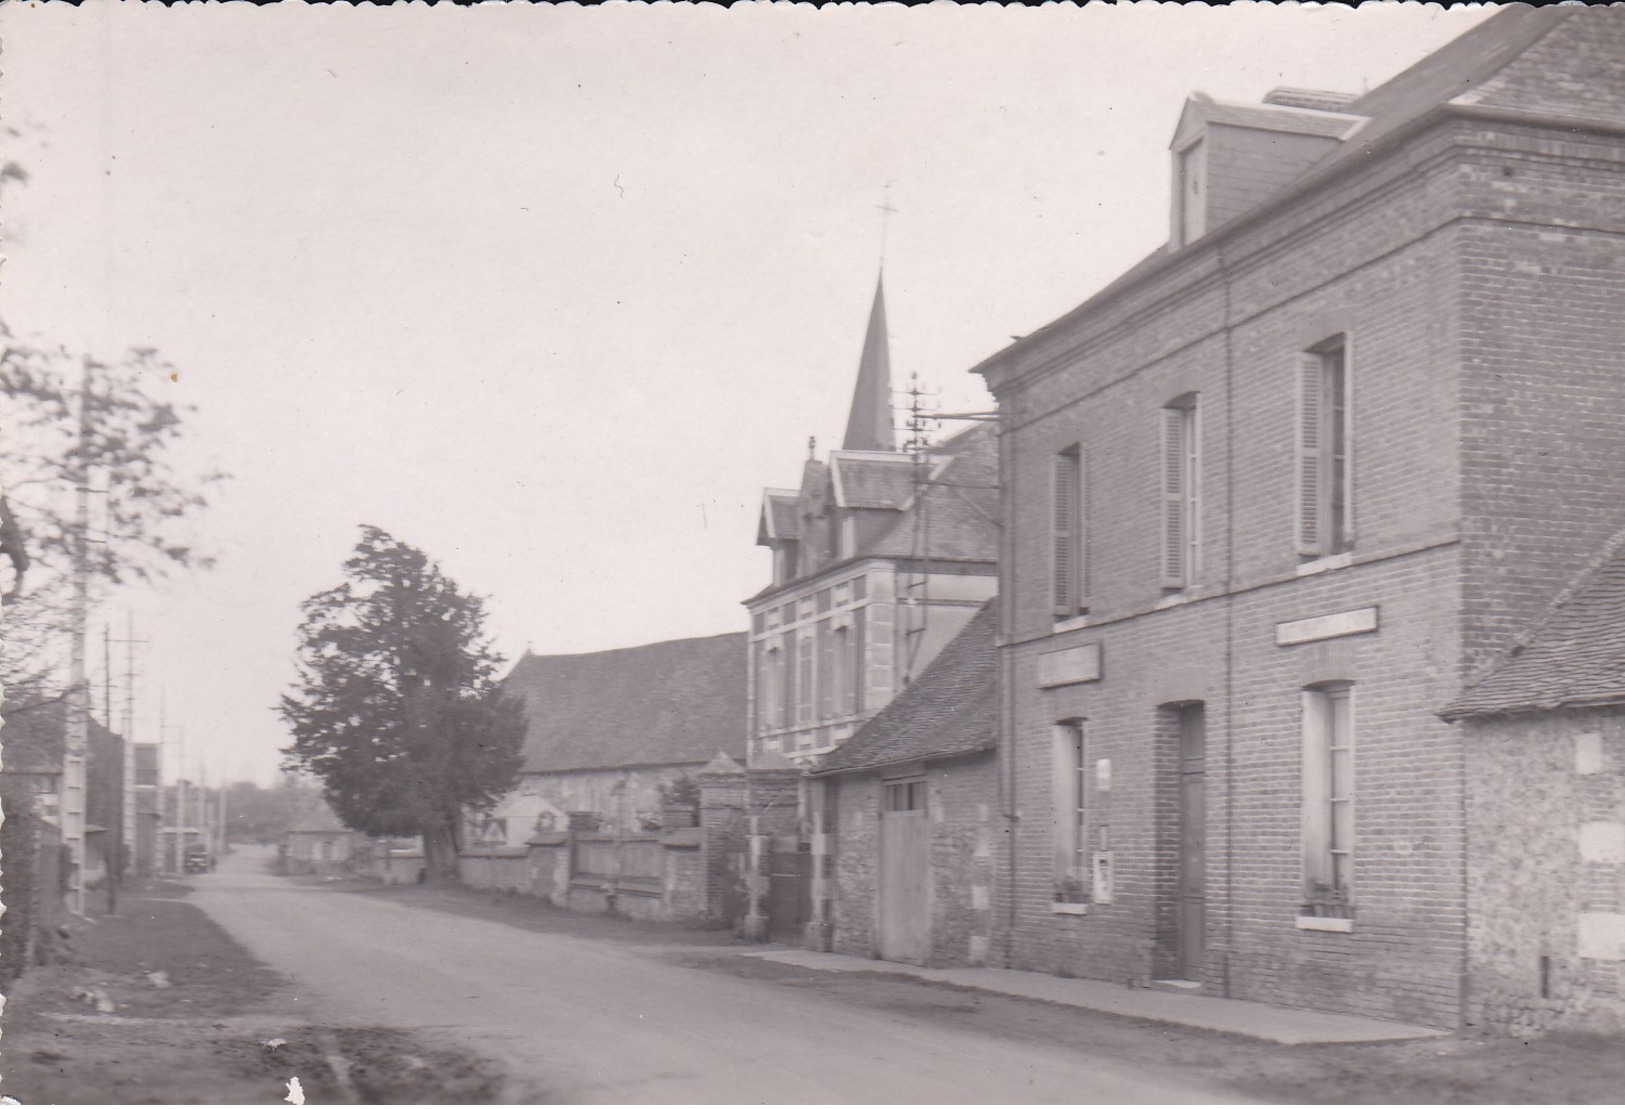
point(579, 1020)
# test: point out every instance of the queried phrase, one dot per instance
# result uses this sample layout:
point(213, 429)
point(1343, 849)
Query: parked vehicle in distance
point(197, 860)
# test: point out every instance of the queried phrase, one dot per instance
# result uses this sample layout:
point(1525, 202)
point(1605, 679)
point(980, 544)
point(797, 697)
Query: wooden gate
point(789, 889)
point(905, 873)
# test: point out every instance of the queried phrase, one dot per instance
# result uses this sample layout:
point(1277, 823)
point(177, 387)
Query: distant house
point(610, 733)
point(1543, 736)
point(910, 798)
point(319, 843)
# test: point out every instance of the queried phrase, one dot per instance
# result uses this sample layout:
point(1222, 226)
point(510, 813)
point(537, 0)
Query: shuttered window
point(804, 679)
point(1328, 791)
point(1069, 567)
point(859, 670)
point(1181, 492)
point(828, 679)
point(1325, 518)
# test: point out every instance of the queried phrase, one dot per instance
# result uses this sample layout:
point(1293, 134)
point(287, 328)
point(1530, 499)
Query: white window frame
point(1069, 815)
point(1069, 529)
point(1329, 792)
point(1324, 480)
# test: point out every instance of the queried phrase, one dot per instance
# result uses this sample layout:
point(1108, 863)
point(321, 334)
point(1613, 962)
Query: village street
point(577, 1020)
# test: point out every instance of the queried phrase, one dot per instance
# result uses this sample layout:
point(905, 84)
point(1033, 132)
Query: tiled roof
point(34, 734)
point(661, 704)
point(866, 481)
point(952, 709)
point(1573, 658)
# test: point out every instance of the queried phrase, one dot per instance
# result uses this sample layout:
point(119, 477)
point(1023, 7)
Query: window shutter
point(1063, 513)
point(1311, 438)
point(1080, 543)
point(1316, 780)
point(860, 662)
point(1173, 498)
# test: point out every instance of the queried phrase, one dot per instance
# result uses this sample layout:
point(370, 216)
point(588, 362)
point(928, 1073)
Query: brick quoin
point(1475, 265)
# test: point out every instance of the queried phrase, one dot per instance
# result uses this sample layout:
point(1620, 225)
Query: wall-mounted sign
point(1069, 666)
point(1330, 626)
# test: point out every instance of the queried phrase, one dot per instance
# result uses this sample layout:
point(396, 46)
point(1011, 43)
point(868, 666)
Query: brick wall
point(1546, 876)
point(1476, 273)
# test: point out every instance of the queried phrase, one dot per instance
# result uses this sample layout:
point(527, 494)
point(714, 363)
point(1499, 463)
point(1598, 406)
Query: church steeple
point(869, 426)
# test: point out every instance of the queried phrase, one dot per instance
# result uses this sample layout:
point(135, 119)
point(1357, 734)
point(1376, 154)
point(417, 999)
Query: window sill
point(1069, 908)
point(1339, 561)
point(1174, 599)
point(1325, 924)
point(1071, 623)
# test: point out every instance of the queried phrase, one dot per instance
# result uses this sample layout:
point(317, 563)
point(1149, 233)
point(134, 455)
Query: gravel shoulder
point(159, 1005)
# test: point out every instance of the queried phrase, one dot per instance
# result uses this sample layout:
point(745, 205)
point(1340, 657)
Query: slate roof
point(867, 481)
point(680, 701)
point(961, 505)
point(780, 518)
point(952, 709)
point(318, 819)
point(1268, 117)
point(1574, 657)
point(33, 737)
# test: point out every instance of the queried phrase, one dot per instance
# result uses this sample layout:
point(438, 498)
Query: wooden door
point(789, 890)
point(905, 875)
point(1192, 906)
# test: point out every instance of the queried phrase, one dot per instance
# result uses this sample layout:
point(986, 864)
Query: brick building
point(1543, 734)
point(909, 814)
point(1278, 492)
point(879, 559)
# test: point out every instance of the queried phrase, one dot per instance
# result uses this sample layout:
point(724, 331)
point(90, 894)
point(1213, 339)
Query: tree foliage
point(144, 499)
point(397, 707)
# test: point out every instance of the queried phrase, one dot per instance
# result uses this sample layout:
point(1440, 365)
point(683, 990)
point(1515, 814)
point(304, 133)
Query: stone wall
point(1546, 871)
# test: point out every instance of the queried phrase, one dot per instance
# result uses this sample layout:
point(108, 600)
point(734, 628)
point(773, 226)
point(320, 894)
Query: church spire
point(869, 426)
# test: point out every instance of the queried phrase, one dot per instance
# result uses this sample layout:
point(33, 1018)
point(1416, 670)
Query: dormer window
point(1191, 189)
point(784, 561)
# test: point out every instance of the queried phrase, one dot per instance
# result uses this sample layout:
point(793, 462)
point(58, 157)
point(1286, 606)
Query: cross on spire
point(886, 211)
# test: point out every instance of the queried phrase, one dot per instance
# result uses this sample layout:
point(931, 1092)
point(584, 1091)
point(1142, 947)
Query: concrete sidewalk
point(1274, 1023)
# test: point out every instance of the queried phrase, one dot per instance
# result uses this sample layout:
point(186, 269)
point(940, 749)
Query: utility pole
point(128, 805)
point(77, 730)
point(115, 863)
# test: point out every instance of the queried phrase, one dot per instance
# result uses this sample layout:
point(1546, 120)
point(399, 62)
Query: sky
point(553, 292)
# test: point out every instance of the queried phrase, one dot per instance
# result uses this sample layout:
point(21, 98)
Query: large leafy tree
point(397, 708)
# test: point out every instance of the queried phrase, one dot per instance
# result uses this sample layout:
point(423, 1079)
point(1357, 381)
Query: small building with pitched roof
point(909, 808)
point(610, 733)
point(319, 843)
point(1543, 737)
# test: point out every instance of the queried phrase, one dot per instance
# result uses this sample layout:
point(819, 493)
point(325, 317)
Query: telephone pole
point(76, 738)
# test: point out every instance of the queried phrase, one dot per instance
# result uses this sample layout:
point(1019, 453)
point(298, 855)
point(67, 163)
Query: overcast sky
point(552, 292)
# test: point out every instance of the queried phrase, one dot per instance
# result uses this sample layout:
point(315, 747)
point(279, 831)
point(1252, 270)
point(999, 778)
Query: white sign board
point(1330, 626)
point(1069, 666)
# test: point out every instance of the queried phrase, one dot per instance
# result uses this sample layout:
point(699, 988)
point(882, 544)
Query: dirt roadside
point(1461, 1069)
point(159, 1005)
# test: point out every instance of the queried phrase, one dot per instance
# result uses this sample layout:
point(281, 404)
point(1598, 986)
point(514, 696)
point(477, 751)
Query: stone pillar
point(754, 927)
point(723, 843)
point(817, 934)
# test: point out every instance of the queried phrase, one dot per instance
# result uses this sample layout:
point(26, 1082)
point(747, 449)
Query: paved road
point(585, 1021)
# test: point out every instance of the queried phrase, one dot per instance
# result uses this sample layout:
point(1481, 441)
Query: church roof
point(679, 701)
point(869, 423)
point(952, 709)
point(1574, 657)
